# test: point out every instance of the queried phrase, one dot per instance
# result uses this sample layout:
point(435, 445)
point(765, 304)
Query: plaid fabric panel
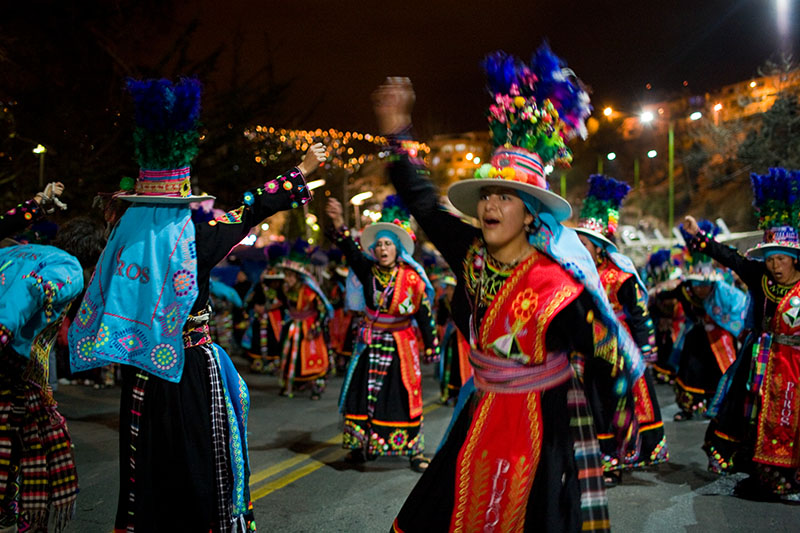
point(219, 436)
point(594, 502)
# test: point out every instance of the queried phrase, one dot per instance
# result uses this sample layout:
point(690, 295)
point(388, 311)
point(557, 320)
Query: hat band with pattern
point(781, 235)
point(518, 165)
point(175, 182)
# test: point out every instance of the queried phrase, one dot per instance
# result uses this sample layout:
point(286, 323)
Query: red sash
point(498, 460)
point(406, 301)
point(778, 437)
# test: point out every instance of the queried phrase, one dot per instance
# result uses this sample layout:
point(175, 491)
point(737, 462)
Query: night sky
point(337, 52)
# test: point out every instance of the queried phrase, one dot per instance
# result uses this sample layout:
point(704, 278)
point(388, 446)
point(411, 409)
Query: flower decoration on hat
point(298, 258)
point(776, 199)
point(599, 217)
point(537, 107)
point(165, 138)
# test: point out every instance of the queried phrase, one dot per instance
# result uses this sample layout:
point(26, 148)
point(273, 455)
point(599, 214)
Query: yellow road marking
point(314, 464)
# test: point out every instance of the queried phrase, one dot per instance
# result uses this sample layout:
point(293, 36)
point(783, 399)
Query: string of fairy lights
point(348, 150)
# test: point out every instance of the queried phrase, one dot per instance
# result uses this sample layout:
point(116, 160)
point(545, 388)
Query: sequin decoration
point(164, 356)
point(183, 282)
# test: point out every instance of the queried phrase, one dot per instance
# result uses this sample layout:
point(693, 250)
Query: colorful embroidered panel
point(140, 295)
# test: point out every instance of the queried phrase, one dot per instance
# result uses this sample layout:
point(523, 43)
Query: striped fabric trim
point(219, 440)
point(594, 502)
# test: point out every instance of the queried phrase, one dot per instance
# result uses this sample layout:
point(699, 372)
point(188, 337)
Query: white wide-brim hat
point(368, 235)
point(513, 168)
point(598, 238)
point(760, 250)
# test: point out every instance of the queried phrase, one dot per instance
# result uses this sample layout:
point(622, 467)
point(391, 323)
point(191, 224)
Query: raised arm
point(217, 237)
point(750, 270)
point(393, 102)
point(356, 258)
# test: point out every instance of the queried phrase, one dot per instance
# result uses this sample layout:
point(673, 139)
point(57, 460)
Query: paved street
point(301, 484)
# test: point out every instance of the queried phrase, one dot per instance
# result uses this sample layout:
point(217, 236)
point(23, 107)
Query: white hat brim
point(464, 196)
point(760, 249)
point(368, 235)
point(137, 198)
point(595, 236)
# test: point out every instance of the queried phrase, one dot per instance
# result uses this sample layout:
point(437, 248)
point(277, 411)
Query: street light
point(40, 150)
point(646, 117)
point(608, 111)
point(357, 201)
point(697, 115)
point(611, 156)
point(651, 154)
point(315, 184)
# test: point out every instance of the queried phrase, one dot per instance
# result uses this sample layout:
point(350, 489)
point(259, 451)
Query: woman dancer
point(757, 429)
point(183, 415)
point(628, 296)
point(522, 454)
point(382, 394)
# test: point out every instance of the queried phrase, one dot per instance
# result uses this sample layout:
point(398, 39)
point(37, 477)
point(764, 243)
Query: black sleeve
point(15, 220)
point(449, 234)
point(356, 258)
point(636, 314)
point(424, 318)
point(750, 270)
point(217, 237)
point(572, 329)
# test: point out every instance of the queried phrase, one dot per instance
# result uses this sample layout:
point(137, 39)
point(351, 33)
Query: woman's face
point(385, 252)
point(781, 267)
point(587, 242)
point(502, 216)
point(702, 290)
point(290, 278)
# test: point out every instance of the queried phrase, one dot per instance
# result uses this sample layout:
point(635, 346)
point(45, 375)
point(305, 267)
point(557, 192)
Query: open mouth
point(490, 222)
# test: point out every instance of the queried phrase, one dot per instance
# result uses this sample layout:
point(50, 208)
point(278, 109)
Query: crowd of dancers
point(548, 342)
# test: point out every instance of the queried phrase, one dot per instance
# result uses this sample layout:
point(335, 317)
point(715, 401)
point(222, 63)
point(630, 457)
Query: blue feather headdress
point(776, 199)
point(165, 138)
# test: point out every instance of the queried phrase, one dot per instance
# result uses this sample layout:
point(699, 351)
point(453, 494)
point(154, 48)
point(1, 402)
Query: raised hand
point(690, 225)
point(314, 157)
point(334, 211)
point(393, 102)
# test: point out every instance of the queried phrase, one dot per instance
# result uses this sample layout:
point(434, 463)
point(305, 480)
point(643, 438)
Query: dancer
point(757, 429)
point(382, 395)
point(183, 415)
point(715, 316)
point(38, 478)
point(522, 454)
point(627, 293)
point(342, 325)
point(304, 358)
point(663, 274)
point(267, 312)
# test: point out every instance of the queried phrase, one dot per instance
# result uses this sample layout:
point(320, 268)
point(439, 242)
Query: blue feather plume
point(607, 188)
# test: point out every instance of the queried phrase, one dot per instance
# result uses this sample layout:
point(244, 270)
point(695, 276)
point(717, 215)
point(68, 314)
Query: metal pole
point(563, 184)
point(636, 173)
point(41, 170)
point(599, 164)
point(671, 177)
point(358, 218)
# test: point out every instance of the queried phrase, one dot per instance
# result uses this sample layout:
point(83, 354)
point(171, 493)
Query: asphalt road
point(300, 482)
